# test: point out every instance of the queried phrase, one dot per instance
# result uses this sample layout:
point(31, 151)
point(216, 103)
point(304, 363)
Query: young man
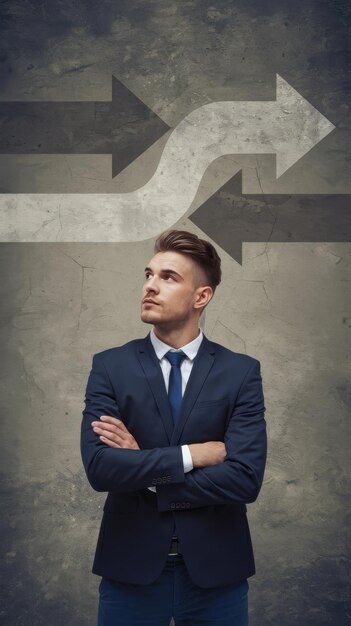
point(174, 431)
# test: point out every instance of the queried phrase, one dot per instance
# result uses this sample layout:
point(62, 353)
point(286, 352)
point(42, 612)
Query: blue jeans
point(173, 594)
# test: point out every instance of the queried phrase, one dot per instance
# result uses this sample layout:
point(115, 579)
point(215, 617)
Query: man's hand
point(114, 433)
point(209, 453)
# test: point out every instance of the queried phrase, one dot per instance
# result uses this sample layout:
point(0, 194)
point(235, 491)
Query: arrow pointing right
point(230, 218)
point(123, 127)
point(297, 126)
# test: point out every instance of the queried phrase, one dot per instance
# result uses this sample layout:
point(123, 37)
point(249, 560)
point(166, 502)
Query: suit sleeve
point(120, 469)
point(239, 478)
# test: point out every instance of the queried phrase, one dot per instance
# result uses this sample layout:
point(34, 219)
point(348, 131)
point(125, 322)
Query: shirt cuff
point(152, 489)
point(187, 459)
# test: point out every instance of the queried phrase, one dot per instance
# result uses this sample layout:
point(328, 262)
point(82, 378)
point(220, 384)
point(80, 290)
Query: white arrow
point(288, 127)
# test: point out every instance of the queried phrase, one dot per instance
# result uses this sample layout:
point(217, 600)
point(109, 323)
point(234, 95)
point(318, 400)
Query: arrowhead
point(303, 126)
point(218, 218)
point(135, 127)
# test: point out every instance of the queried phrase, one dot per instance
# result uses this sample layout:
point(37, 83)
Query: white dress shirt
point(190, 350)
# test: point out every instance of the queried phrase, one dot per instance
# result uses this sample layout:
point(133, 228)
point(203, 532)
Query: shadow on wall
point(49, 532)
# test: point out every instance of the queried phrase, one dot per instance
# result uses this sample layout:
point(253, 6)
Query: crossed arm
point(224, 472)
point(115, 434)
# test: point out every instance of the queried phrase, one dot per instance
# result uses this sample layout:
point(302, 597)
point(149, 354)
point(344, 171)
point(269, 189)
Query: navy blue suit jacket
point(223, 401)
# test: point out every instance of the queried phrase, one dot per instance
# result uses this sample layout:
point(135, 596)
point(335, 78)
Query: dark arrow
point(123, 127)
point(230, 218)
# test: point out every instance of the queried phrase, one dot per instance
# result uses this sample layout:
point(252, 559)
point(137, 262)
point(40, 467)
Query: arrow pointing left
point(123, 127)
point(231, 218)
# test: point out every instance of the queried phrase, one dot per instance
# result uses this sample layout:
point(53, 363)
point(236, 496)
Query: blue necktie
point(175, 389)
point(175, 382)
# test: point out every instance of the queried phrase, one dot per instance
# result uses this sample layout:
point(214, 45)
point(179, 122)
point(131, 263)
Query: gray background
point(288, 305)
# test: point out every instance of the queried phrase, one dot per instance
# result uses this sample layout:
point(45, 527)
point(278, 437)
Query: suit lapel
point(153, 373)
point(199, 372)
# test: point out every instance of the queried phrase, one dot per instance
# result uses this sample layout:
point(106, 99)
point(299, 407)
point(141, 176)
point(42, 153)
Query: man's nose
point(152, 284)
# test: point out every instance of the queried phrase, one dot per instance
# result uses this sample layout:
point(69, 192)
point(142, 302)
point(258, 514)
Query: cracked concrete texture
point(177, 57)
point(287, 306)
point(46, 585)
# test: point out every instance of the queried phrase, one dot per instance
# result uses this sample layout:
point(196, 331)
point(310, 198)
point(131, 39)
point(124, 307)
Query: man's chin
point(147, 318)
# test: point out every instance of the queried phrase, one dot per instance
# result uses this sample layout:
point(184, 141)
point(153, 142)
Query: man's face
point(171, 282)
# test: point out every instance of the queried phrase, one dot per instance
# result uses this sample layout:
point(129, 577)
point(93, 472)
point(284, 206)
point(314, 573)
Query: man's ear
point(203, 296)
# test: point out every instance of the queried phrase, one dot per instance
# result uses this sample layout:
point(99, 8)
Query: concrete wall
point(287, 307)
point(288, 304)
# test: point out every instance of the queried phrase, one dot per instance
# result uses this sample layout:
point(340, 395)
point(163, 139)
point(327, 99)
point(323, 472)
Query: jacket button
point(173, 505)
point(154, 481)
point(188, 505)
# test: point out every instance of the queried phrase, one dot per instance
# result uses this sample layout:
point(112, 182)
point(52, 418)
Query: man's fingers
point(121, 440)
point(112, 424)
point(110, 443)
point(110, 438)
point(108, 419)
point(111, 429)
point(109, 432)
point(112, 432)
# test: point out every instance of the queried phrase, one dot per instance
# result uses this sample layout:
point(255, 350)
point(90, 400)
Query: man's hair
point(201, 251)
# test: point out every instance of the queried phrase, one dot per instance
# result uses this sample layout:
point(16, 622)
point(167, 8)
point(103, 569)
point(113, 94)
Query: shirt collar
point(190, 349)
